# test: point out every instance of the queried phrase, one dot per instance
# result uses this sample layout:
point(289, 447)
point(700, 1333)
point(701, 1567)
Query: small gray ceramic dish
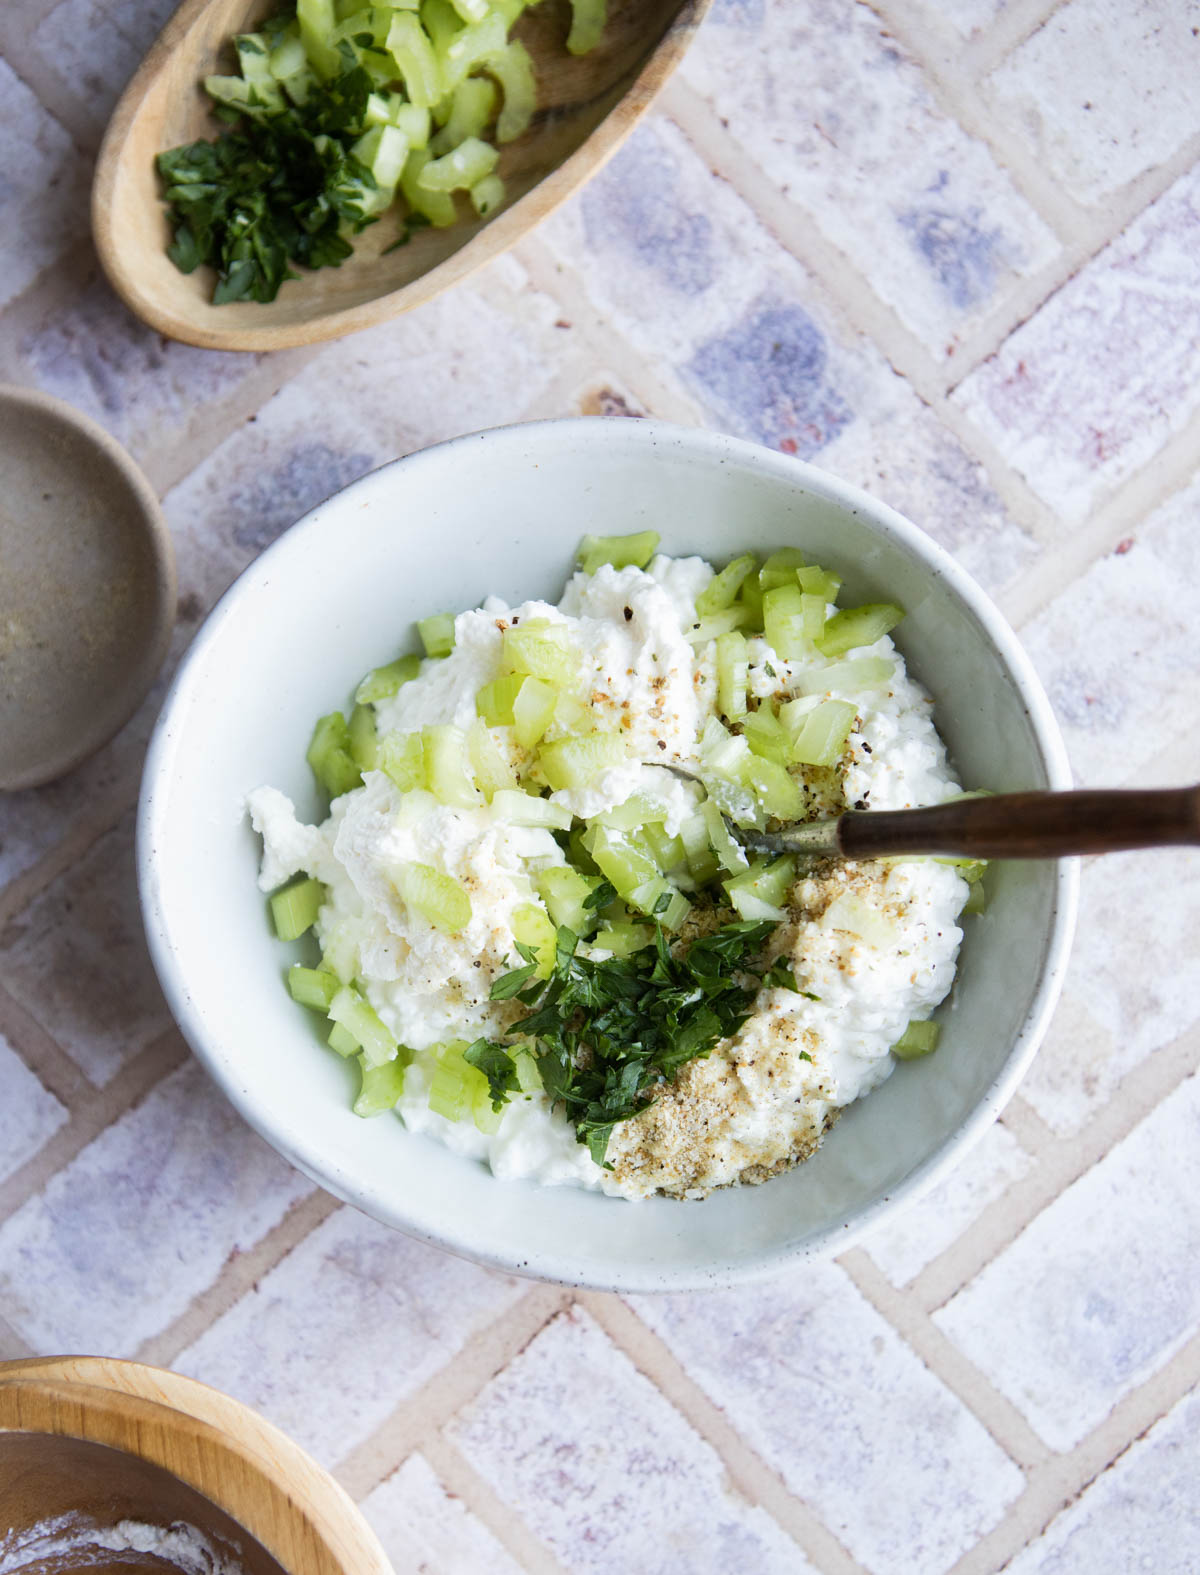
point(87, 587)
point(501, 513)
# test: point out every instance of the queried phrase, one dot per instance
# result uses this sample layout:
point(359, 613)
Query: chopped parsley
point(609, 1033)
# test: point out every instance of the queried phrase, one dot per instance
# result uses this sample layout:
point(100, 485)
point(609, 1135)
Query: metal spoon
point(999, 826)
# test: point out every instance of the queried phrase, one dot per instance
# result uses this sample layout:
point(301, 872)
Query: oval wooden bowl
point(587, 106)
point(121, 1440)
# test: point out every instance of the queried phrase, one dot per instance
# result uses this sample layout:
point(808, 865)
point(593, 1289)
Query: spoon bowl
point(587, 105)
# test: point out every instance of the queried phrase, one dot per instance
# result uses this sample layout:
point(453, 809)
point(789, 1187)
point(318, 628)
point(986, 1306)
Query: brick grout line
point(237, 1278)
point(1030, 1131)
point(749, 1474)
point(486, 1353)
point(82, 835)
point(1135, 1098)
point(1164, 474)
point(12, 1347)
point(993, 1410)
point(99, 1110)
point(1019, 20)
point(43, 1055)
point(457, 1474)
point(1061, 1480)
point(30, 69)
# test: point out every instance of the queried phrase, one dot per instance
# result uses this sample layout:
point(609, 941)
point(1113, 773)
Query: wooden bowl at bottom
point(116, 1467)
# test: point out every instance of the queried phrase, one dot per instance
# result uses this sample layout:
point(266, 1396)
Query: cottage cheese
point(874, 945)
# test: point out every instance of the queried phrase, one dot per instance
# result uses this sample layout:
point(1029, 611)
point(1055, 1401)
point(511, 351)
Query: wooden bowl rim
point(495, 238)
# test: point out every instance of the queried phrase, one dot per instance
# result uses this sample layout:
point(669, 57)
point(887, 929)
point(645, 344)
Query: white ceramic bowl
point(501, 513)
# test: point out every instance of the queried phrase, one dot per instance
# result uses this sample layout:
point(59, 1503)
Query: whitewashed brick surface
point(951, 252)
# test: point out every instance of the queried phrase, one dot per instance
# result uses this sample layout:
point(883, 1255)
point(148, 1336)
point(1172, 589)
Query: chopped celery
point(381, 1086)
point(529, 1078)
point(976, 896)
point(329, 755)
point(462, 167)
point(576, 762)
point(565, 892)
point(354, 1014)
point(413, 57)
point(340, 955)
point(778, 793)
point(381, 683)
point(918, 1039)
point(822, 736)
point(436, 897)
point(317, 22)
point(512, 67)
point(638, 810)
point(622, 940)
point(860, 671)
point(383, 151)
point(669, 852)
point(314, 987)
point(471, 10)
point(248, 98)
point(660, 900)
point(626, 862)
point(294, 907)
point(851, 913)
point(436, 206)
point(402, 757)
point(533, 710)
point(487, 195)
point(733, 674)
point(587, 23)
point(524, 809)
point(780, 569)
point(721, 591)
point(620, 551)
point(701, 860)
point(437, 634)
point(762, 891)
point(493, 774)
point(783, 621)
point(343, 1041)
point(532, 927)
point(474, 45)
point(717, 624)
point(471, 108)
point(364, 744)
point(729, 852)
point(857, 626)
point(767, 736)
point(447, 773)
point(456, 1084)
point(812, 615)
point(815, 581)
point(485, 1116)
point(540, 648)
point(494, 702)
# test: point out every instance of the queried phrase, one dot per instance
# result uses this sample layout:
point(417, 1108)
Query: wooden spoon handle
point(1029, 825)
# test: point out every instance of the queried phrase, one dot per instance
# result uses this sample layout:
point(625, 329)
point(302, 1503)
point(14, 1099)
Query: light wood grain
point(587, 106)
point(210, 1442)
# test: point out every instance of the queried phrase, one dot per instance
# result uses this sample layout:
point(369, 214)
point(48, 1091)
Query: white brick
point(424, 1528)
point(1104, 90)
point(93, 48)
point(1088, 390)
point(140, 1222)
point(29, 1113)
point(347, 1326)
point(826, 1392)
point(1101, 1289)
point(679, 266)
point(1140, 1515)
point(843, 121)
point(903, 1246)
point(43, 189)
point(606, 1471)
point(968, 16)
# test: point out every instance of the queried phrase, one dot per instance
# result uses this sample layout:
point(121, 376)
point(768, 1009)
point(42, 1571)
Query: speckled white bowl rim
point(455, 1233)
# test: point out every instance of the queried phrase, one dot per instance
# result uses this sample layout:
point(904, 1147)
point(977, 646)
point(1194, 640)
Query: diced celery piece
point(364, 744)
point(565, 891)
point(524, 809)
point(436, 206)
point(414, 59)
point(487, 195)
point(340, 954)
point(721, 591)
point(529, 1078)
point(778, 793)
point(494, 702)
point(313, 987)
point(439, 898)
point(783, 621)
point(471, 10)
point(674, 915)
point(460, 168)
point(628, 864)
point(762, 890)
point(511, 10)
point(660, 900)
point(317, 23)
point(254, 95)
point(856, 626)
point(294, 907)
point(288, 59)
point(381, 683)
point(533, 710)
point(447, 773)
point(702, 861)
point(621, 551)
point(622, 940)
point(572, 715)
point(441, 22)
point(486, 1119)
point(812, 615)
point(456, 1084)
point(669, 852)
point(767, 736)
point(360, 1019)
point(918, 1039)
point(849, 912)
point(471, 108)
point(576, 762)
point(383, 150)
point(587, 23)
point(330, 756)
point(638, 810)
point(750, 596)
point(342, 1040)
point(402, 757)
point(381, 1086)
point(780, 569)
point(414, 121)
point(471, 46)
point(815, 581)
point(437, 634)
point(717, 624)
point(733, 674)
point(512, 67)
point(532, 927)
point(976, 896)
point(493, 774)
point(729, 852)
point(542, 649)
point(822, 736)
point(860, 672)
